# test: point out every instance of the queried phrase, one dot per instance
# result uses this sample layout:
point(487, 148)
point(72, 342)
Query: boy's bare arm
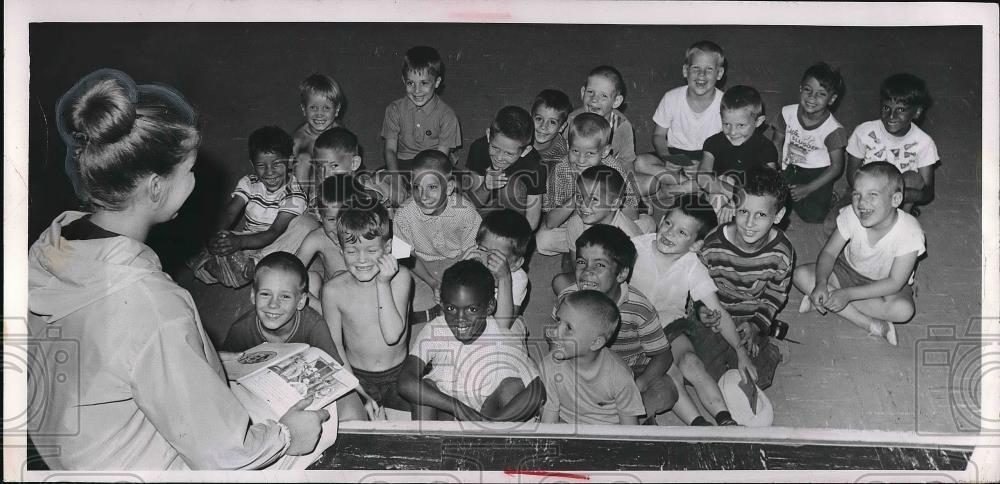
point(263, 239)
point(853, 163)
point(391, 161)
point(392, 302)
point(558, 216)
point(522, 402)
point(922, 191)
point(413, 387)
point(899, 275)
point(727, 328)
point(310, 246)
point(533, 212)
point(232, 211)
point(659, 144)
point(331, 314)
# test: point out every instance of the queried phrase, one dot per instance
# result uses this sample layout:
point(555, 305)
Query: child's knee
point(690, 364)
point(551, 241)
point(900, 309)
point(804, 276)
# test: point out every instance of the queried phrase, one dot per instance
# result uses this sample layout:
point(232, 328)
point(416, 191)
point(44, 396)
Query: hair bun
point(100, 108)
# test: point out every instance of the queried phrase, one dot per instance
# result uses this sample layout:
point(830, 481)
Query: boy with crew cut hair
point(588, 147)
point(502, 245)
point(550, 113)
point(585, 382)
point(320, 98)
point(751, 261)
point(462, 365)
point(602, 94)
point(811, 142)
point(439, 222)
point(895, 138)
point(740, 147)
point(420, 120)
point(280, 315)
point(506, 171)
point(866, 269)
point(604, 262)
point(366, 306)
point(685, 117)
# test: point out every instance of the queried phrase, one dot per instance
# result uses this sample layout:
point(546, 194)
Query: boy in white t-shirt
point(866, 268)
point(685, 118)
point(462, 365)
point(811, 143)
point(667, 269)
point(896, 139)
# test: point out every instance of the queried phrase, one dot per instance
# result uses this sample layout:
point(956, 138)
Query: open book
point(272, 377)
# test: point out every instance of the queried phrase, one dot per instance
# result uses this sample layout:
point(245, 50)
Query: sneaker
point(884, 330)
point(727, 422)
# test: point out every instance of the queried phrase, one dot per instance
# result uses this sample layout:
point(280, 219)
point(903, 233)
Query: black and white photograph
point(723, 241)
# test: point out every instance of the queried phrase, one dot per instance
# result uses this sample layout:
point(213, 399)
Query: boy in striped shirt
point(604, 260)
point(751, 262)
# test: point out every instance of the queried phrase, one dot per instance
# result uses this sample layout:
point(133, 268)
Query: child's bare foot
point(806, 305)
point(885, 330)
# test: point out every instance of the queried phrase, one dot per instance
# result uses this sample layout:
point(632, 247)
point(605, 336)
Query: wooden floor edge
point(778, 435)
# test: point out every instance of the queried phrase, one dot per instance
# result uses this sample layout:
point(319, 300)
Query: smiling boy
point(865, 271)
point(751, 262)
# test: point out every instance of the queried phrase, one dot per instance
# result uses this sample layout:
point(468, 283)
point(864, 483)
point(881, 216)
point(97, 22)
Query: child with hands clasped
point(477, 370)
point(811, 142)
point(667, 269)
point(751, 262)
point(605, 259)
point(264, 204)
point(585, 382)
point(506, 170)
point(740, 147)
point(366, 306)
point(865, 271)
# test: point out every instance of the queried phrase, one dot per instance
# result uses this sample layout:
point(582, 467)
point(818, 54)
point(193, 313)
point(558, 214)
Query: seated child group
point(673, 267)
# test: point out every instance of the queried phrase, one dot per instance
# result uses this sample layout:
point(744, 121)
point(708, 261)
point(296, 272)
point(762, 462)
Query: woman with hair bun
point(124, 375)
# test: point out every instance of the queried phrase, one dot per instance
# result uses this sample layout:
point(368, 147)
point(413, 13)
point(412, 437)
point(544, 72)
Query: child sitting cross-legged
point(667, 269)
point(263, 203)
point(585, 382)
point(366, 306)
point(477, 370)
point(280, 315)
point(605, 258)
point(865, 271)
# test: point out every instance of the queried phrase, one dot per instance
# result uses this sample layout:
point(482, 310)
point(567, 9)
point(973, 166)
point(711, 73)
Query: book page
point(309, 374)
point(260, 357)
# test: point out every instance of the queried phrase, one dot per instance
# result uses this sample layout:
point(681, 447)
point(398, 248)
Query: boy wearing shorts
point(865, 271)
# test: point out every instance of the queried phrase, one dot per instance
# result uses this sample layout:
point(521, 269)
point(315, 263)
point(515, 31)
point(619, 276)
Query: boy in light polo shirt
point(420, 120)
